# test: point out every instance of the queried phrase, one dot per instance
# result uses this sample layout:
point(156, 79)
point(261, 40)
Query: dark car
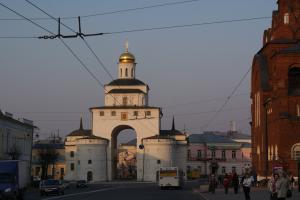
point(81, 184)
point(52, 186)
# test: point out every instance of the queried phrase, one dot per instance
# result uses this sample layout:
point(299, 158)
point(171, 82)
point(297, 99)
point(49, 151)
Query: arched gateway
point(125, 107)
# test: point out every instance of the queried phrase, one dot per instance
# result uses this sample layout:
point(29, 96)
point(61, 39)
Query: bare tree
point(47, 156)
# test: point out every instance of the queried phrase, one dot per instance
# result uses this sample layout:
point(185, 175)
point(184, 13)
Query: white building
point(126, 106)
point(15, 137)
point(85, 156)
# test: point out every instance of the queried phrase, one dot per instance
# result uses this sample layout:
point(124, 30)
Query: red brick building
point(275, 93)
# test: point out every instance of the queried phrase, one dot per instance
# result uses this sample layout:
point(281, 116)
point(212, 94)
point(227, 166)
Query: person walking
point(212, 183)
point(235, 182)
point(226, 182)
point(282, 186)
point(272, 185)
point(247, 182)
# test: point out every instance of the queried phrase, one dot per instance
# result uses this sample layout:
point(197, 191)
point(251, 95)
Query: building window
point(233, 154)
point(89, 161)
point(126, 72)
point(72, 166)
point(199, 154)
point(223, 170)
point(286, 19)
point(124, 116)
point(298, 110)
point(113, 113)
point(223, 154)
point(294, 81)
point(78, 162)
point(125, 101)
point(213, 153)
point(135, 113)
point(101, 113)
point(132, 72)
point(148, 113)
point(62, 171)
point(189, 154)
point(72, 154)
point(121, 72)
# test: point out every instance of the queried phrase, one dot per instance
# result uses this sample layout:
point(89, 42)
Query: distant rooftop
point(209, 138)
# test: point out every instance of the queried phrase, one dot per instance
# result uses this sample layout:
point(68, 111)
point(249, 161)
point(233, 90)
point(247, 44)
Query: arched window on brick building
point(286, 18)
point(296, 152)
point(294, 81)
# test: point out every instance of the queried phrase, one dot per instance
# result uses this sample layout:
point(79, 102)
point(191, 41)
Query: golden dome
point(127, 57)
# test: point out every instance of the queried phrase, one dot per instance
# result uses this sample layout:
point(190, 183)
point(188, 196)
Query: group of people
point(280, 186)
point(246, 181)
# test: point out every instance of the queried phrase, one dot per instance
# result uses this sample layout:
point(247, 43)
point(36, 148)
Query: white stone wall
point(84, 150)
point(137, 99)
point(105, 126)
point(13, 134)
point(130, 70)
point(97, 154)
point(162, 153)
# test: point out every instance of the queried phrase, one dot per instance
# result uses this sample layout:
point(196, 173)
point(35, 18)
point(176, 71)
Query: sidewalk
point(256, 194)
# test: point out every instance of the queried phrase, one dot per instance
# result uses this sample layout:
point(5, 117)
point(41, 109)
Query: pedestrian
point(235, 182)
point(212, 183)
point(283, 186)
point(272, 185)
point(226, 182)
point(247, 182)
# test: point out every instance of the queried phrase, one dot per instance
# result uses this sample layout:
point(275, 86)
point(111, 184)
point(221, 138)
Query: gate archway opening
point(123, 144)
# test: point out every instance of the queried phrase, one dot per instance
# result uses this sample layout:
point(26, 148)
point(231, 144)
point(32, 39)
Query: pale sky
point(190, 70)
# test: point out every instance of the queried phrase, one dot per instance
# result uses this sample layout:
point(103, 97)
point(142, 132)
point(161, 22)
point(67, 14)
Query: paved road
point(149, 191)
point(132, 191)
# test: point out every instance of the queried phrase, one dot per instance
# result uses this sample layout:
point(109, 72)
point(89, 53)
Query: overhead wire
point(162, 27)
point(71, 29)
point(64, 43)
point(89, 47)
point(226, 101)
point(108, 12)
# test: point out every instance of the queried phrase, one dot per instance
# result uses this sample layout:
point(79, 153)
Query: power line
point(71, 29)
point(226, 102)
point(188, 25)
point(107, 13)
point(203, 101)
point(85, 42)
point(155, 28)
point(68, 47)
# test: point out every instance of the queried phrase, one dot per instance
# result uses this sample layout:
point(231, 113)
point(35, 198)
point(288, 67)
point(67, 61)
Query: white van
point(169, 177)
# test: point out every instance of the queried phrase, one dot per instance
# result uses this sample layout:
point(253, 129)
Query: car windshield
point(50, 182)
point(7, 178)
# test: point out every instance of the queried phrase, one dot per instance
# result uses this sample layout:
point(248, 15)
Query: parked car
point(66, 184)
point(52, 186)
point(81, 184)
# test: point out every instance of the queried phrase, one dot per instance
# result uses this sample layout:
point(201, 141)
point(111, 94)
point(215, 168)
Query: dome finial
point(126, 46)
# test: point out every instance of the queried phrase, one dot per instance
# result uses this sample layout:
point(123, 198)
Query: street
point(148, 191)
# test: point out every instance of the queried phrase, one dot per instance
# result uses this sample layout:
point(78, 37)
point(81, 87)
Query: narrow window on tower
point(294, 81)
point(286, 19)
point(126, 72)
point(121, 72)
point(132, 72)
point(125, 101)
